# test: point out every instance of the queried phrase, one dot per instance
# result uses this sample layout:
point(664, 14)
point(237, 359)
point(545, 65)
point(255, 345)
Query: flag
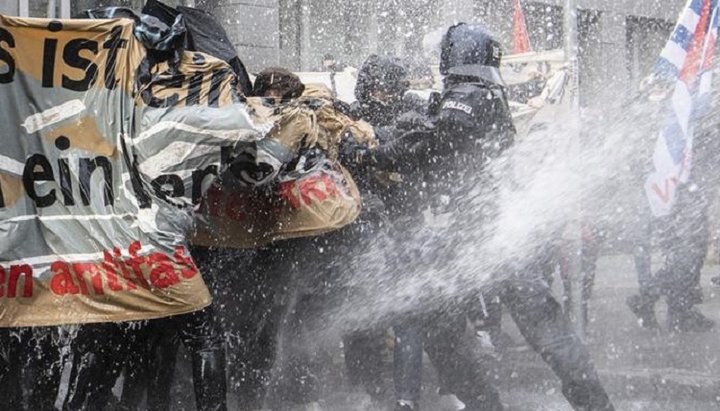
point(685, 62)
point(521, 39)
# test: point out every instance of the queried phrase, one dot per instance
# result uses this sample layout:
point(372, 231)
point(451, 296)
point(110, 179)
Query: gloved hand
point(351, 151)
point(412, 120)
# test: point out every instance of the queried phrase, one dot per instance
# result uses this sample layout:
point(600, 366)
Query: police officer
point(399, 173)
point(474, 120)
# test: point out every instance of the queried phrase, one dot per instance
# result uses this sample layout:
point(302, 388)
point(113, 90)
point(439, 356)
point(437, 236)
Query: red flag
point(521, 39)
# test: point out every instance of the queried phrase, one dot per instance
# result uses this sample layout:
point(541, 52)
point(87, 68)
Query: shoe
point(369, 402)
point(715, 281)
point(403, 405)
point(310, 406)
point(644, 311)
point(449, 402)
point(690, 320)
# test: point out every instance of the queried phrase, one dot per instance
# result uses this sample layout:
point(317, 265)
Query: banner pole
point(23, 8)
point(65, 9)
point(577, 303)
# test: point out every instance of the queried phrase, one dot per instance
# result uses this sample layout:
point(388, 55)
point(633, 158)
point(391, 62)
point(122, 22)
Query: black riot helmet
point(381, 73)
point(470, 50)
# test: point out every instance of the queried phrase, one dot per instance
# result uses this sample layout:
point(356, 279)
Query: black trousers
point(460, 369)
point(307, 277)
point(150, 368)
point(542, 322)
point(30, 368)
point(101, 352)
point(684, 240)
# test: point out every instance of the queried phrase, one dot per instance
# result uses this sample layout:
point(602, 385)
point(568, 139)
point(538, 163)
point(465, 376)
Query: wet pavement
point(642, 370)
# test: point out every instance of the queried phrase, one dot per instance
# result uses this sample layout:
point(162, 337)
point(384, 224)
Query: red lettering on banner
point(163, 273)
point(330, 186)
point(95, 277)
point(665, 194)
point(109, 266)
point(125, 272)
point(112, 274)
point(136, 263)
point(311, 189)
point(2, 282)
point(287, 193)
point(15, 272)
point(191, 269)
point(13, 277)
point(62, 281)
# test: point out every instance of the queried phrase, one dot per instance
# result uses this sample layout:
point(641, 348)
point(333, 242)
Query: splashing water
point(543, 186)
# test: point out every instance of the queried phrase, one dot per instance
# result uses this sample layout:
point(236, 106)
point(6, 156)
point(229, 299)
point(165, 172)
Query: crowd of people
point(406, 156)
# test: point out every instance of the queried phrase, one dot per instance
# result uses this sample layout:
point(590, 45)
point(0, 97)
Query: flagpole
point(571, 52)
point(577, 305)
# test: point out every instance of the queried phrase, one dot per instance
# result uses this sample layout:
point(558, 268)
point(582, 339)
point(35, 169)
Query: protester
point(102, 350)
point(684, 239)
point(388, 163)
point(303, 278)
point(329, 63)
point(389, 189)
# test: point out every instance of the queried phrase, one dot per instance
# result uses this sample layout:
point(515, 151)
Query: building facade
point(619, 39)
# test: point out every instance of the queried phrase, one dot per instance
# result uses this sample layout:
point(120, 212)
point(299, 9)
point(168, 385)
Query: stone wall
point(254, 28)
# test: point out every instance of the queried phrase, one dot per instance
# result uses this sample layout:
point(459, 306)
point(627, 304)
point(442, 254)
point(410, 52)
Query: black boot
point(587, 396)
point(690, 320)
point(644, 309)
point(406, 406)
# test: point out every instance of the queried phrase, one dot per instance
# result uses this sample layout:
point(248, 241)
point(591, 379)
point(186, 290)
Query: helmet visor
point(487, 73)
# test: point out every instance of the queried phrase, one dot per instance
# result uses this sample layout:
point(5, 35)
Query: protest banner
point(105, 152)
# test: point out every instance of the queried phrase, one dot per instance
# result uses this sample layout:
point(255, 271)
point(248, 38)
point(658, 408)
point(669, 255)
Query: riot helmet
point(470, 50)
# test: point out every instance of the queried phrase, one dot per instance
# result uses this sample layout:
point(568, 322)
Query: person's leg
point(458, 366)
point(643, 304)
point(150, 367)
point(163, 346)
point(590, 252)
point(254, 331)
point(43, 368)
point(407, 363)
point(98, 359)
point(294, 379)
point(11, 368)
point(364, 360)
point(485, 314)
point(684, 263)
point(201, 334)
point(541, 321)
point(267, 308)
point(137, 372)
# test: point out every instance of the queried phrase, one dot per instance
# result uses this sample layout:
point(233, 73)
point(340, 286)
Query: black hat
point(471, 50)
point(381, 73)
point(286, 83)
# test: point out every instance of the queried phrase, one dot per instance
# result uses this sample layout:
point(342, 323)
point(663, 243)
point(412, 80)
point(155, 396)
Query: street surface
point(642, 370)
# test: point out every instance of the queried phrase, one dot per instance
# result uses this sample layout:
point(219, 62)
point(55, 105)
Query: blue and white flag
point(686, 61)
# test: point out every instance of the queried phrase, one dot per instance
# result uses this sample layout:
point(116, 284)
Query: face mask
point(380, 111)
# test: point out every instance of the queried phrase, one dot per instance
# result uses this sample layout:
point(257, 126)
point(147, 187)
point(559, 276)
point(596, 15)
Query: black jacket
point(473, 126)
